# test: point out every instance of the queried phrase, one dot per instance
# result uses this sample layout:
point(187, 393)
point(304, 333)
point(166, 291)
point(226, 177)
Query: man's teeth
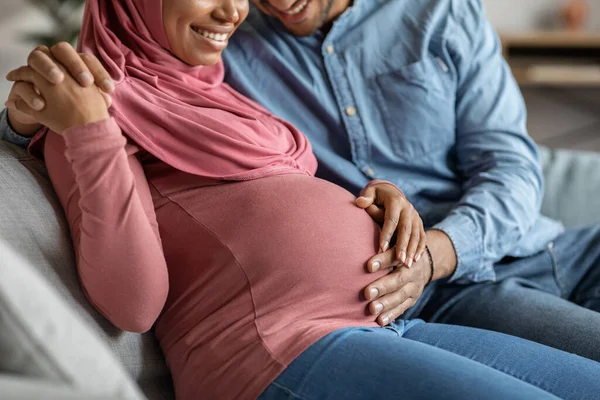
point(298, 8)
point(219, 37)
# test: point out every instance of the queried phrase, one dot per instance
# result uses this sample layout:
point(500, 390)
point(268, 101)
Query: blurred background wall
point(17, 18)
point(565, 117)
point(559, 117)
point(527, 15)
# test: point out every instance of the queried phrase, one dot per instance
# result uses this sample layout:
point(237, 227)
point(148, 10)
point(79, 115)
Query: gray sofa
point(54, 345)
point(38, 354)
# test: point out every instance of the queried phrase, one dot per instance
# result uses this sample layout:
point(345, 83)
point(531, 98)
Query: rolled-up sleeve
point(498, 161)
point(8, 134)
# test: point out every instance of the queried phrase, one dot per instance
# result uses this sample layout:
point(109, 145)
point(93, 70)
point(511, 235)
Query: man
point(418, 93)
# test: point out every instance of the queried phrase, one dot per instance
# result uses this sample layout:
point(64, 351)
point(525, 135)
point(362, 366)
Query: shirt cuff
point(467, 239)
point(8, 134)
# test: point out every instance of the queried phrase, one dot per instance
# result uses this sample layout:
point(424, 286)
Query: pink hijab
point(185, 115)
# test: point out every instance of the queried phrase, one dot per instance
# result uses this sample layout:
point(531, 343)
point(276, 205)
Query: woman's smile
point(215, 37)
point(199, 30)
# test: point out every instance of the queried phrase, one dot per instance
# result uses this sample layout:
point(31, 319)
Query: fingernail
point(373, 293)
point(418, 257)
point(385, 245)
point(85, 78)
point(385, 320)
point(108, 85)
point(409, 263)
point(378, 308)
point(55, 75)
point(403, 256)
point(38, 104)
point(375, 266)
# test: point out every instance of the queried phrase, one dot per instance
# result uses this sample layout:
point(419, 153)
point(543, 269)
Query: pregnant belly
point(289, 258)
point(302, 244)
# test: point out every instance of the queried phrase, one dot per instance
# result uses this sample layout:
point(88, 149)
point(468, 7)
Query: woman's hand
point(68, 104)
point(20, 122)
point(48, 64)
point(386, 203)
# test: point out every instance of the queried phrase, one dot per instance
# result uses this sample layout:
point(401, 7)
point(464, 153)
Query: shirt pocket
point(417, 105)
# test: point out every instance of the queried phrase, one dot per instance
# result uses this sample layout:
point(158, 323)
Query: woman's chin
point(203, 60)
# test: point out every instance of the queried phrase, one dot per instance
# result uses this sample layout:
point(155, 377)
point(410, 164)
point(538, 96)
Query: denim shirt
point(7, 134)
point(416, 93)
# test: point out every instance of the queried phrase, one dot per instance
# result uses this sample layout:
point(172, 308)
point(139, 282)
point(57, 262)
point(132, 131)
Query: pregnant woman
point(195, 210)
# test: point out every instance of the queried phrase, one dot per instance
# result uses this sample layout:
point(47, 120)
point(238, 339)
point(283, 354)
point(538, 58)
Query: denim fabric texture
point(8, 134)
point(551, 298)
point(416, 93)
point(431, 361)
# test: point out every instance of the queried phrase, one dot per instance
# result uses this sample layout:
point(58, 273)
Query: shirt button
point(369, 172)
point(350, 111)
point(329, 49)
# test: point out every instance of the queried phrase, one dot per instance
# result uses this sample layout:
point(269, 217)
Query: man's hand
point(391, 295)
point(46, 62)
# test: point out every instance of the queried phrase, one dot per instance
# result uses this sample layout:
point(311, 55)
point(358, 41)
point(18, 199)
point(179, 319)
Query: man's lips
point(295, 8)
point(296, 13)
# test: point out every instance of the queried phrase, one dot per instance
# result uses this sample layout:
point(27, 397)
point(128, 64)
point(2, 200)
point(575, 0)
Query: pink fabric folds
point(185, 115)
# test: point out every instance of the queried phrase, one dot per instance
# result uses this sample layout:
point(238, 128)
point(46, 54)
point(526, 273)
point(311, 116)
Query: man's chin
point(301, 30)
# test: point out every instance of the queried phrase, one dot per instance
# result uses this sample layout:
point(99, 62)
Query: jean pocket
point(417, 104)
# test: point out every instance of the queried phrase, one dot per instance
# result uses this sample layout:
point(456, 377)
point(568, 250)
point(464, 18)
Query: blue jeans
point(416, 360)
point(551, 298)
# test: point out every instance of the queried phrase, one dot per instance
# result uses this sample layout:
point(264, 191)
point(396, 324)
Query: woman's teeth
point(298, 8)
point(219, 37)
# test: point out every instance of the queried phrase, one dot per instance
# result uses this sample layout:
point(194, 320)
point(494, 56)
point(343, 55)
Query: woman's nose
point(227, 11)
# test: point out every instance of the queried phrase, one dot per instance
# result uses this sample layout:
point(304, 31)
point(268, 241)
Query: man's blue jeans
point(422, 361)
point(551, 298)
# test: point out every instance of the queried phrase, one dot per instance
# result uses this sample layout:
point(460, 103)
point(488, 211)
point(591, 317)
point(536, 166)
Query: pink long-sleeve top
point(239, 278)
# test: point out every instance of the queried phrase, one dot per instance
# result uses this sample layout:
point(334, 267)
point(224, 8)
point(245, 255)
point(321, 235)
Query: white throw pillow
point(41, 336)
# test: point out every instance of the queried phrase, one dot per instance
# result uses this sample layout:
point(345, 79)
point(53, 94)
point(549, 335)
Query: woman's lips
point(217, 41)
point(211, 34)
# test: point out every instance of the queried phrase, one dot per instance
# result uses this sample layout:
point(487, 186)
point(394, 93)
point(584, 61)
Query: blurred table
point(554, 58)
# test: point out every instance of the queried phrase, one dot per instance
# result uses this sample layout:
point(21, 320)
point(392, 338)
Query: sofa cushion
point(572, 186)
point(42, 337)
point(34, 225)
point(22, 388)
